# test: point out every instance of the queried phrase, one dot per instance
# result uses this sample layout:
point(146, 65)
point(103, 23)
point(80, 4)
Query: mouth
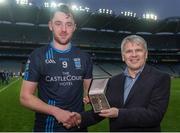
point(63, 36)
point(134, 61)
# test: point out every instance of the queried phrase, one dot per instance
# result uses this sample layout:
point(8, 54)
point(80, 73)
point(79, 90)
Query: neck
point(60, 46)
point(132, 73)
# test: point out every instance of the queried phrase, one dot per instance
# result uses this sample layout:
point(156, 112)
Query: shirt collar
point(126, 73)
point(61, 51)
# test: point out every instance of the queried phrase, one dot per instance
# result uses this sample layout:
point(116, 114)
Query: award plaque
point(97, 94)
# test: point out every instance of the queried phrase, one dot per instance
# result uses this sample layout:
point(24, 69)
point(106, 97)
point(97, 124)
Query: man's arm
point(86, 85)
point(29, 100)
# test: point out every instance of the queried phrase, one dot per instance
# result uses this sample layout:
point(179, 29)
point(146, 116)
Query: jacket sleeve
point(89, 118)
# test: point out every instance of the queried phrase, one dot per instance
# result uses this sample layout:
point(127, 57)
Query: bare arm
point(29, 100)
point(86, 89)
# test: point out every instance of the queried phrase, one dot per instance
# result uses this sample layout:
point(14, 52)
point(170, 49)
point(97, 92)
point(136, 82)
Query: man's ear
point(75, 27)
point(122, 57)
point(50, 26)
point(146, 54)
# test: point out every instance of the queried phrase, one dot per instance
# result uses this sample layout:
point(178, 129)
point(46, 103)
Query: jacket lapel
point(116, 91)
point(137, 85)
point(121, 83)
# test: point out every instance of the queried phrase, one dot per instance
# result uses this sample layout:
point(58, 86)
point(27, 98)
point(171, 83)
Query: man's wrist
point(53, 110)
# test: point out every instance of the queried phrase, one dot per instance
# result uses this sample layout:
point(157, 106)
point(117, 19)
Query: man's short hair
point(62, 8)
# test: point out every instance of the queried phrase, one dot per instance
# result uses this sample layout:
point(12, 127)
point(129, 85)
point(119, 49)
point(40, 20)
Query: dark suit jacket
point(145, 106)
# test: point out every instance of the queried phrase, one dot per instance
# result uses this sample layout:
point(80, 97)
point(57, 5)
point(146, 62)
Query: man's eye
point(139, 50)
point(128, 51)
point(69, 24)
point(57, 24)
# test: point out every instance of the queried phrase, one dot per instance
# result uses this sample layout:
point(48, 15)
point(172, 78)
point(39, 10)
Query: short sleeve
point(32, 67)
point(89, 67)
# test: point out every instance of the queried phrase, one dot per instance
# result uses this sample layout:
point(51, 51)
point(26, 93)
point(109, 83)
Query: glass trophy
point(97, 94)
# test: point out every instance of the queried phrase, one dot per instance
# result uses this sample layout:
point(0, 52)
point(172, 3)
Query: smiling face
point(134, 54)
point(63, 26)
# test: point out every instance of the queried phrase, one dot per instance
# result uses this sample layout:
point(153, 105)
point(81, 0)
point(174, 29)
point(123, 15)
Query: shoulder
point(117, 77)
point(39, 51)
point(80, 52)
point(155, 72)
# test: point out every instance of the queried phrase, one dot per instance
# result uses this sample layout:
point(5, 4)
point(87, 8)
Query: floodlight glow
point(53, 4)
point(22, 2)
point(155, 17)
point(111, 12)
point(150, 16)
point(147, 16)
point(80, 8)
point(2, 1)
point(59, 4)
point(144, 16)
point(18, 1)
point(129, 14)
point(74, 7)
point(46, 4)
point(87, 9)
point(125, 13)
point(105, 11)
point(100, 10)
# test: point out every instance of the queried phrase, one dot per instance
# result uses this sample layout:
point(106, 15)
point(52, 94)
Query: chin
point(63, 42)
point(135, 67)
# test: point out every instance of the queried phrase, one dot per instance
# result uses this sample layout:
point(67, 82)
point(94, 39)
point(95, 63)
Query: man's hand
point(64, 116)
point(109, 113)
point(76, 118)
point(86, 100)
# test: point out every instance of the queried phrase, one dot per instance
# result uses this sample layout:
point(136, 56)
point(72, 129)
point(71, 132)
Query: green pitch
point(14, 117)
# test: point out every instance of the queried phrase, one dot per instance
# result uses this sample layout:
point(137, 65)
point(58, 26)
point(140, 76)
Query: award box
point(97, 94)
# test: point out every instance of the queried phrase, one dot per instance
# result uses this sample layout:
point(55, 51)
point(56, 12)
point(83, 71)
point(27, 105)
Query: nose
point(134, 54)
point(63, 28)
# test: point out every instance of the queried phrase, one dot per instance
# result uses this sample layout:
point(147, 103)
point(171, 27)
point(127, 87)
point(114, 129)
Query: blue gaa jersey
point(60, 77)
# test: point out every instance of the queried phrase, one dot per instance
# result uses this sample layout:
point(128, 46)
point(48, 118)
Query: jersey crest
point(77, 63)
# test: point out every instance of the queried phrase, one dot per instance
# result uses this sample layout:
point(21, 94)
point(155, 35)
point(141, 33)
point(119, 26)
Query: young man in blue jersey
point(59, 72)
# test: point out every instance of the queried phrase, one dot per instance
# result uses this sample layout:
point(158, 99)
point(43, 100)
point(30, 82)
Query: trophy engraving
point(97, 94)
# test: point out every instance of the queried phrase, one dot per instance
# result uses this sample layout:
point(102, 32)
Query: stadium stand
point(24, 28)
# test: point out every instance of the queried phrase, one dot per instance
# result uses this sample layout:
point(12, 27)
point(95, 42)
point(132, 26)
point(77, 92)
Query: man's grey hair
point(133, 39)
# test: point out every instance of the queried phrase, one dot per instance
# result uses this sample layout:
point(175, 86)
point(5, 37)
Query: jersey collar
point(61, 51)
